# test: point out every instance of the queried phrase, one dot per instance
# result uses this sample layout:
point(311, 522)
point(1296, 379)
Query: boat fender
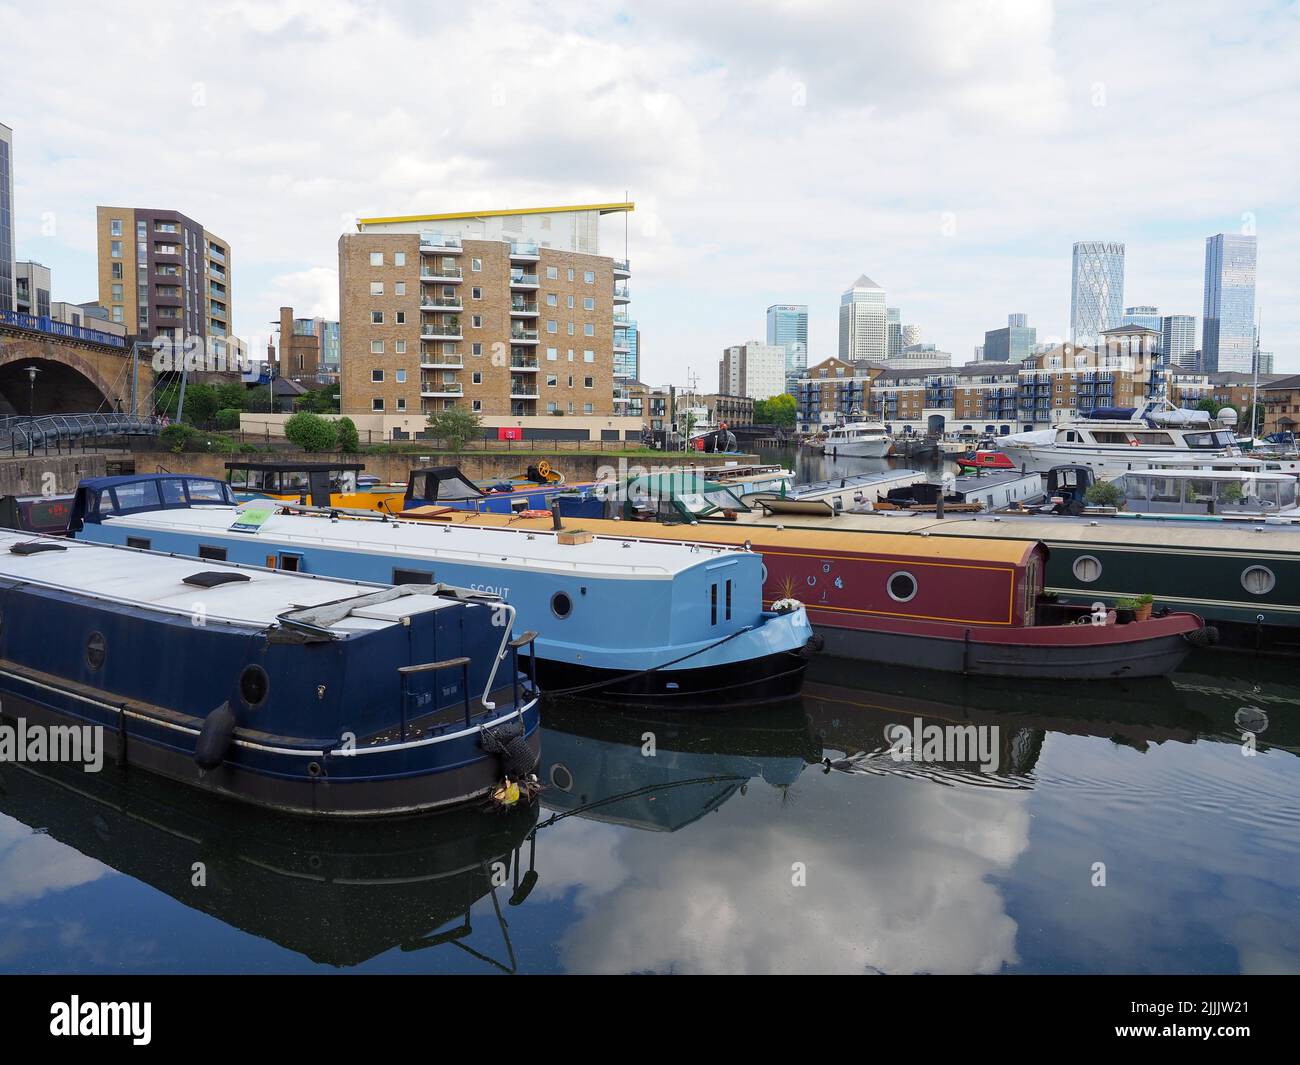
point(1206, 637)
point(215, 737)
point(813, 645)
point(507, 742)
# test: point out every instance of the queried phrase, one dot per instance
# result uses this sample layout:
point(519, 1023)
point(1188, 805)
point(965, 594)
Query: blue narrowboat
point(305, 694)
point(646, 622)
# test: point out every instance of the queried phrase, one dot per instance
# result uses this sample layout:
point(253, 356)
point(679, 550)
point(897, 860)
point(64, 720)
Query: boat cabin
point(102, 497)
point(306, 482)
point(39, 514)
point(439, 484)
point(1221, 492)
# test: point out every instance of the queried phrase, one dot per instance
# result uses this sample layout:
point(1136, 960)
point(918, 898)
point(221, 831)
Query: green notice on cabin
point(251, 519)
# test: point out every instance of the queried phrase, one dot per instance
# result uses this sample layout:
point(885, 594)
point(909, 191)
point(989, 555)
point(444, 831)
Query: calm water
point(731, 849)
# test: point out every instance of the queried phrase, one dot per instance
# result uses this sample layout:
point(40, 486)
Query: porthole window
point(561, 605)
point(253, 685)
point(902, 587)
point(96, 650)
point(1086, 568)
point(561, 777)
point(1258, 580)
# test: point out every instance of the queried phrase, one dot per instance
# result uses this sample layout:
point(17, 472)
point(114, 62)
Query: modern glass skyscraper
point(1096, 290)
point(8, 293)
point(1178, 339)
point(863, 322)
point(787, 326)
point(1228, 340)
point(1148, 317)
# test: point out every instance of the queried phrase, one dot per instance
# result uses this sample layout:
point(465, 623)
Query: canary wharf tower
point(1096, 290)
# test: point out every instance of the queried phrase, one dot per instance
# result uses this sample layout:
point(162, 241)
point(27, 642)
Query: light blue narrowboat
point(304, 694)
point(640, 621)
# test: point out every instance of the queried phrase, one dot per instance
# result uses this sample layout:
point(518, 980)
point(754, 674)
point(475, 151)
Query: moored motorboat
point(663, 623)
point(860, 440)
point(314, 696)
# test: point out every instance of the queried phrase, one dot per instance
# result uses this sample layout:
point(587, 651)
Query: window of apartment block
point(377, 403)
point(376, 288)
point(587, 408)
point(376, 377)
point(589, 356)
point(376, 317)
point(476, 320)
point(399, 288)
point(570, 356)
point(476, 377)
point(115, 249)
point(552, 274)
point(115, 227)
point(552, 380)
point(589, 276)
point(552, 326)
point(552, 407)
point(474, 264)
point(588, 303)
point(117, 292)
point(570, 380)
point(117, 272)
point(552, 300)
point(589, 330)
point(399, 346)
point(376, 258)
point(570, 273)
point(588, 382)
point(117, 314)
point(399, 258)
point(552, 354)
point(401, 317)
point(401, 403)
point(376, 347)
point(448, 292)
point(476, 348)
point(476, 293)
point(570, 324)
point(476, 405)
point(401, 376)
point(570, 303)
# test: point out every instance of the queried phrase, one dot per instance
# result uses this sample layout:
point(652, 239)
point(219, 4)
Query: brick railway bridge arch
point(76, 376)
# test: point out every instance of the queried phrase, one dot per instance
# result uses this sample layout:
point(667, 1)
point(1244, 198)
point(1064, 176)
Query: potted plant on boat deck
point(1144, 604)
point(1126, 610)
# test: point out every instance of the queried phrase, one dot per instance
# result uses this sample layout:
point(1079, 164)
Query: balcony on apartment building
point(445, 275)
point(216, 254)
point(524, 363)
point(168, 295)
point(217, 309)
point(437, 244)
point(523, 388)
point(523, 336)
point(441, 327)
point(522, 409)
point(621, 342)
point(435, 389)
point(524, 251)
point(441, 360)
point(522, 279)
point(622, 268)
point(522, 308)
point(622, 294)
point(441, 303)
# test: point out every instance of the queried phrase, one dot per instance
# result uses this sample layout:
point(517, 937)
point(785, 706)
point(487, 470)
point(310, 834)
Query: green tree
point(779, 410)
point(228, 418)
point(454, 426)
point(176, 436)
point(311, 432)
point(232, 396)
point(318, 401)
point(1104, 494)
point(1208, 405)
point(201, 404)
point(348, 441)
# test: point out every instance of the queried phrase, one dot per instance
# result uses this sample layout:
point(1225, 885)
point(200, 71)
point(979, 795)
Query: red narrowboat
point(984, 460)
point(961, 605)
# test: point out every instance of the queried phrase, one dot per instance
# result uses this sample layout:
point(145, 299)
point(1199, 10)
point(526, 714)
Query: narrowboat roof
point(157, 581)
point(534, 548)
point(793, 531)
point(292, 467)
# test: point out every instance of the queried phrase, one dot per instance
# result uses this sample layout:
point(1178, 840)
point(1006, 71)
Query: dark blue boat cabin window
point(142, 542)
point(136, 495)
point(216, 554)
point(290, 562)
point(411, 576)
point(713, 604)
point(728, 600)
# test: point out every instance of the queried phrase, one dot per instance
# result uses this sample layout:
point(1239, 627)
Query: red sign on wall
point(507, 432)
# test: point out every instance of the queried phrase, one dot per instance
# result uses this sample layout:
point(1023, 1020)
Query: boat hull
point(399, 782)
point(1038, 458)
point(864, 449)
point(1079, 652)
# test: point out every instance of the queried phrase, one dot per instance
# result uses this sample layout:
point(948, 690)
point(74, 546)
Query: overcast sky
point(952, 151)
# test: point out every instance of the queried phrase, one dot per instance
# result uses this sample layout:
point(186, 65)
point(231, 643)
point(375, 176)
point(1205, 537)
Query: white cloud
point(773, 156)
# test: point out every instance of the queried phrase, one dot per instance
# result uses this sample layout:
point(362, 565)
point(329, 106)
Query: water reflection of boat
point(336, 892)
point(597, 765)
point(851, 718)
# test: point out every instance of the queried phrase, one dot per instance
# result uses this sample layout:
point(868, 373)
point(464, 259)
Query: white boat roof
point(151, 579)
point(513, 549)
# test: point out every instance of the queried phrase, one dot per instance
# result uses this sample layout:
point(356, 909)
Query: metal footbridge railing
point(20, 434)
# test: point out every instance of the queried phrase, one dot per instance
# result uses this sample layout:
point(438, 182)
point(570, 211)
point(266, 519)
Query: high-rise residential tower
point(1178, 339)
point(162, 274)
point(1096, 290)
point(511, 314)
point(8, 295)
point(863, 322)
point(753, 370)
point(1146, 316)
point(787, 326)
point(1228, 329)
point(1014, 342)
